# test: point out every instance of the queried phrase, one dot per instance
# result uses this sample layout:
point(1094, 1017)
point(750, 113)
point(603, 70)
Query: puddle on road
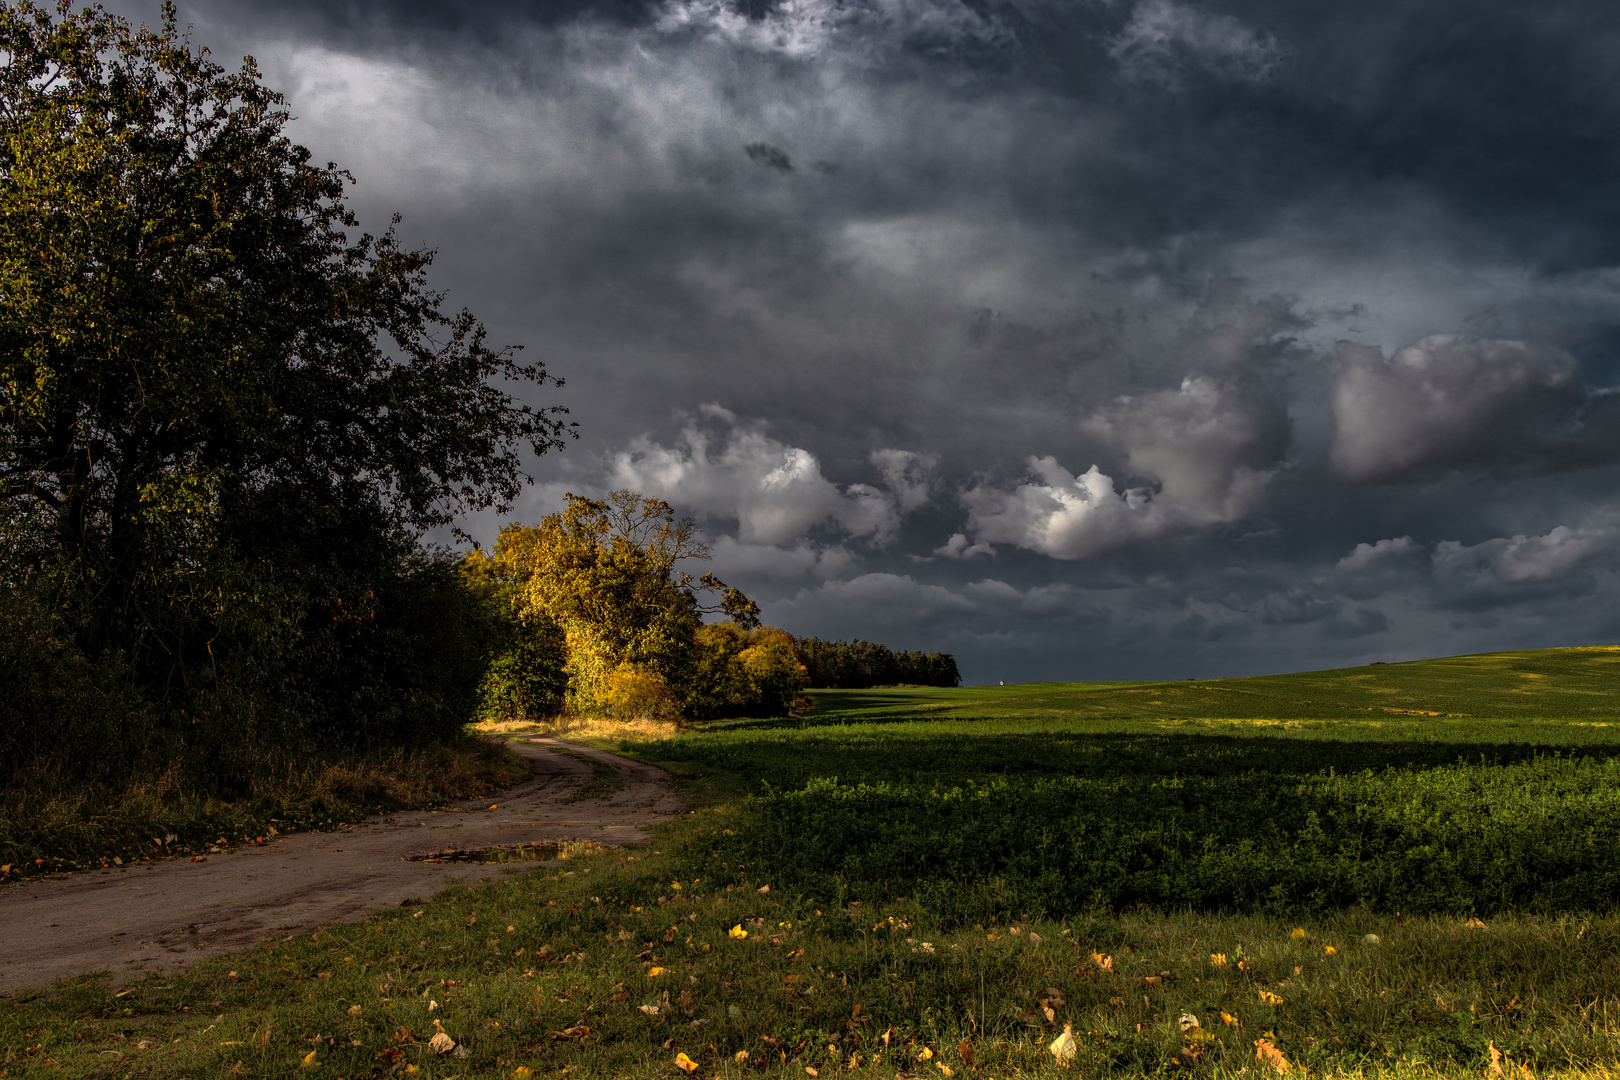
point(509, 853)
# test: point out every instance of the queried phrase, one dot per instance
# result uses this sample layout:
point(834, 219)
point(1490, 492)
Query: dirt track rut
point(164, 915)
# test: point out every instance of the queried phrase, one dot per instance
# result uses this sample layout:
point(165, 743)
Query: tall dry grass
point(46, 827)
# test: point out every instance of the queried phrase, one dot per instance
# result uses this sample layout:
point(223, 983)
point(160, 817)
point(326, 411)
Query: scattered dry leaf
point(684, 1063)
point(1063, 1047)
point(1267, 1054)
point(441, 1043)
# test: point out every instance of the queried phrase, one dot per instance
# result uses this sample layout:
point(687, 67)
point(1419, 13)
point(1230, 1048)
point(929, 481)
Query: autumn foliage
point(605, 580)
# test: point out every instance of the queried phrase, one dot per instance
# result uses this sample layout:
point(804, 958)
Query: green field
point(1201, 879)
point(1470, 785)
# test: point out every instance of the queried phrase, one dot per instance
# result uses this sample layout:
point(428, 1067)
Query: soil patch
point(164, 915)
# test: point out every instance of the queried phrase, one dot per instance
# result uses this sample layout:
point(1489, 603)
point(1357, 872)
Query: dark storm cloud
point(1081, 338)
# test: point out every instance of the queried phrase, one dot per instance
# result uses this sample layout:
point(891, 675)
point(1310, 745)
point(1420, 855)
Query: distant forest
point(853, 665)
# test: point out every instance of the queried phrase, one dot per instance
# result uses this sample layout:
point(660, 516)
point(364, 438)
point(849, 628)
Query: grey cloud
point(1162, 37)
point(1065, 304)
point(769, 156)
point(1448, 401)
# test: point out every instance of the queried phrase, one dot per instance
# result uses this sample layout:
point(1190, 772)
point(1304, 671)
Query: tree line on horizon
point(859, 664)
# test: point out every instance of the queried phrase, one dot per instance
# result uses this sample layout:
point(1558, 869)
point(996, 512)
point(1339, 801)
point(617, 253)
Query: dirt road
point(164, 915)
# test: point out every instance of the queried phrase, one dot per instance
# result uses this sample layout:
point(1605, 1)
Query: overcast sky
point(1080, 339)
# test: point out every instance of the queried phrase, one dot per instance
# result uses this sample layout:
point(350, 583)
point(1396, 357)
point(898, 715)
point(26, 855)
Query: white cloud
point(958, 547)
point(775, 492)
point(807, 28)
point(1063, 515)
point(1515, 559)
point(1377, 556)
point(1434, 399)
point(1163, 36)
point(1199, 445)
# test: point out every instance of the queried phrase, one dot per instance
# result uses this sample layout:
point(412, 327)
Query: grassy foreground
point(1424, 886)
point(613, 968)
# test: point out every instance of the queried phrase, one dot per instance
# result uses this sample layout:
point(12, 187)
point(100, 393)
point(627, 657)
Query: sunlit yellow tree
point(609, 572)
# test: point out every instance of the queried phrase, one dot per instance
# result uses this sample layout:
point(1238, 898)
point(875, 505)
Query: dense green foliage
point(856, 665)
point(1058, 798)
point(225, 421)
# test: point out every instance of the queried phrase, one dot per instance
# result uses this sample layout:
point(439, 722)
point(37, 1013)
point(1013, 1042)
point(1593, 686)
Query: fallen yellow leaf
point(309, 1060)
point(684, 1063)
point(522, 1072)
point(1063, 1047)
point(1297, 933)
point(738, 932)
point(654, 972)
point(1269, 998)
point(1267, 1054)
point(924, 1054)
point(1229, 1019)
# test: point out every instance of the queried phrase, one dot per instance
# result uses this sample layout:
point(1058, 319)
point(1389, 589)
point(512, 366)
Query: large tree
point(199, 351)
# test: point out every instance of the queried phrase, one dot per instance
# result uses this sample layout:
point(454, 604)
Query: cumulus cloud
point(721, 467)
point(960, 547)
point(1493, 571)
point(1163, 37)
point(1444, 400)
point(1207, 444)
point(1202, 449)
point(909, 476)
point(1516, 559)
point(1062, 515)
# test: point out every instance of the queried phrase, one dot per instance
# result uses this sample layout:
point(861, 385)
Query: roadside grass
point(46, 830)
point(610, 966)
point(589, 730)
